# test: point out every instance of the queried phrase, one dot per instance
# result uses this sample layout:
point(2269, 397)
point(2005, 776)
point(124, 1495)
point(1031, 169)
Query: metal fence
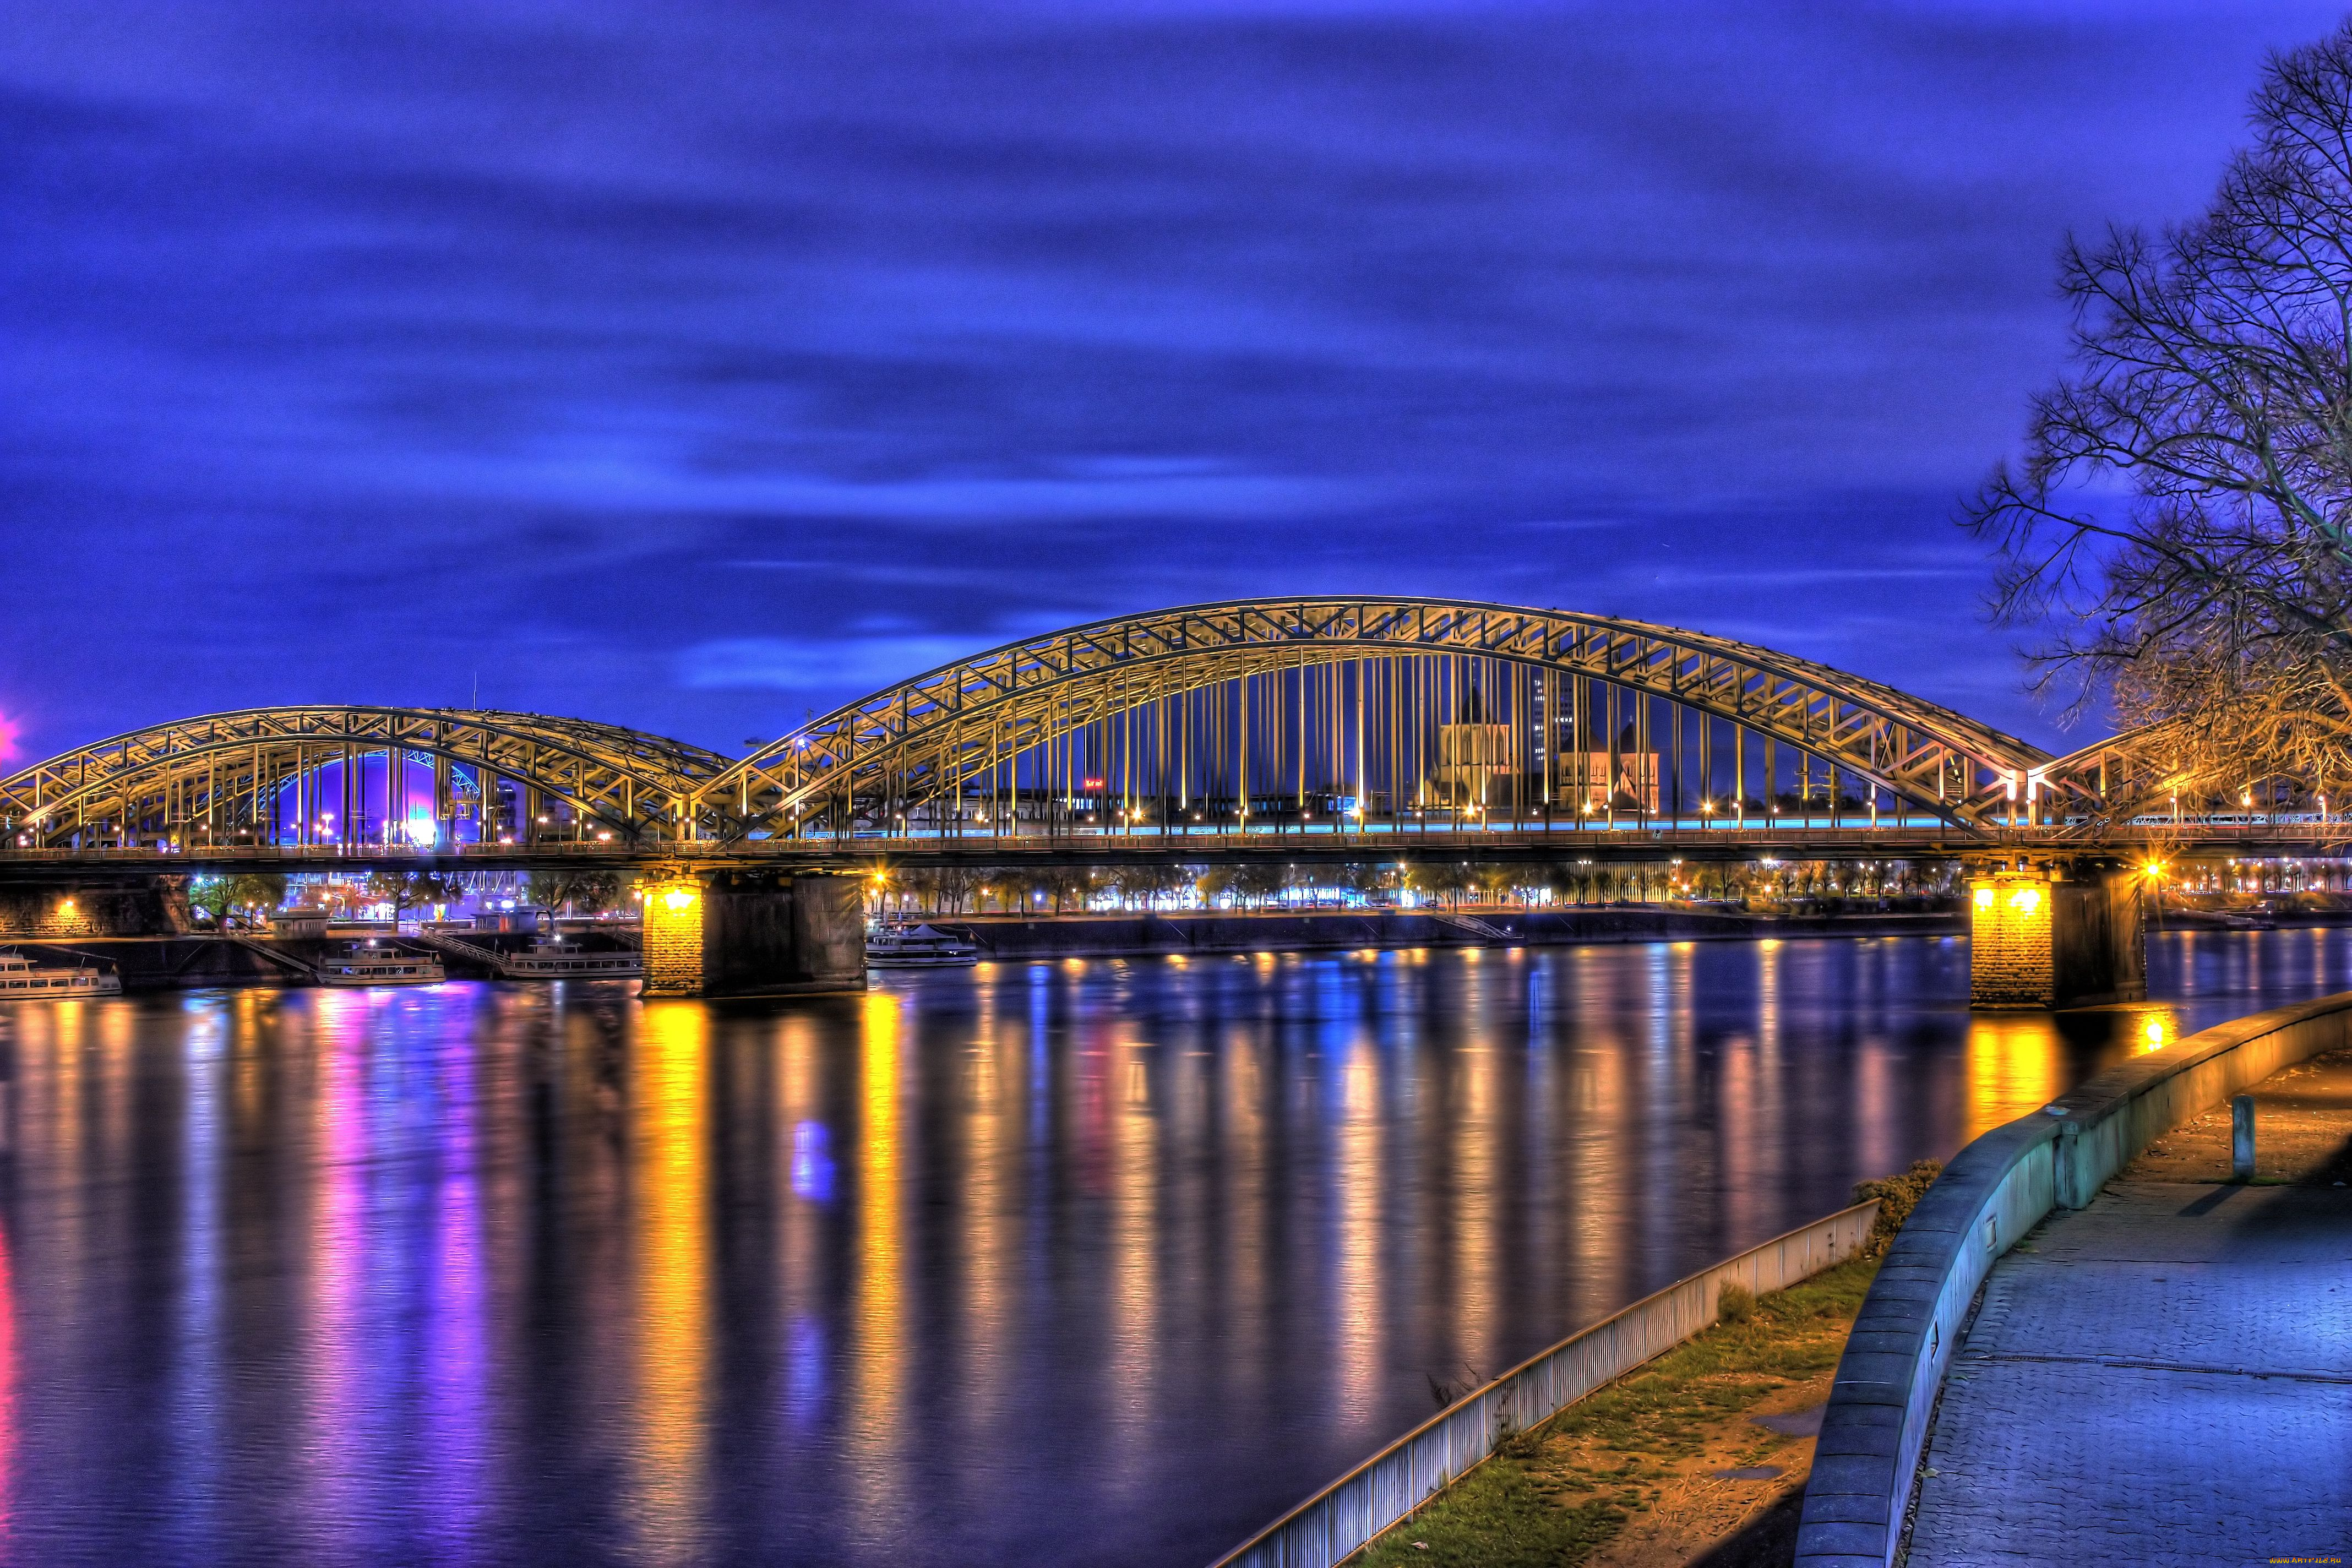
point(1338, 1521)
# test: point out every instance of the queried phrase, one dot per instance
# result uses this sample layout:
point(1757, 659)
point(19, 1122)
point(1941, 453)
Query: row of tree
point(248, 899)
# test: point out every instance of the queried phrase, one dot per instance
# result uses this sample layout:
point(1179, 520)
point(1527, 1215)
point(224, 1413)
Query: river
point(1094, 1261)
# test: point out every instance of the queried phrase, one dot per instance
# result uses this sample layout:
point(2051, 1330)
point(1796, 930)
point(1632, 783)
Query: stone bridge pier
point(2055, 932)
point(732, 932)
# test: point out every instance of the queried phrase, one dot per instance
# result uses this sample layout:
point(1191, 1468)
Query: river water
point(1100, 1261)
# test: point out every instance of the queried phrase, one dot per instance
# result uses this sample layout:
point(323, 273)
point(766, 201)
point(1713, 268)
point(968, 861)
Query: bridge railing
point(1794, 840)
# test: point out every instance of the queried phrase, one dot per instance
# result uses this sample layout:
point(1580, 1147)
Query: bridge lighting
point(677, 899)
point(2025, 901)
point(1984, 898)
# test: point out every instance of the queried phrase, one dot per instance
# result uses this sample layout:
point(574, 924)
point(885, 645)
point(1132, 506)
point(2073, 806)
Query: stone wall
point(674, 938)
point(2012, 962)
point(737, 933)
point(2038, 939)
point(154, 906)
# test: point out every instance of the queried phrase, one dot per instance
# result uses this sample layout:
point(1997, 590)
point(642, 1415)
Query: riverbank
point(1014, 937)
point(202, 960)
point(1700, 1457)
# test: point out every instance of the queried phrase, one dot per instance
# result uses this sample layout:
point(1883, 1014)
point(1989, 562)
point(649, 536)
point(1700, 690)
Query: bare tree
point(2181, 524)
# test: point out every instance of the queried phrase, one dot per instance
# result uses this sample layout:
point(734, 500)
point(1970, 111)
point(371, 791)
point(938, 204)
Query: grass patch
point(1556, 1494)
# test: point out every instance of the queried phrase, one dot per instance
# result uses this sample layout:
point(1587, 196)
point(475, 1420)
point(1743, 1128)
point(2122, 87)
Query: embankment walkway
point(2164, 1376)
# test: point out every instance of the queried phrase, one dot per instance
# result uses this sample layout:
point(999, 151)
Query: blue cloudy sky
point(693, 365)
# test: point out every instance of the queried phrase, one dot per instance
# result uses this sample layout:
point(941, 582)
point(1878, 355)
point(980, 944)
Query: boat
point(360, 965)
point(920, 947)
point(561, 960)
point(22, 980)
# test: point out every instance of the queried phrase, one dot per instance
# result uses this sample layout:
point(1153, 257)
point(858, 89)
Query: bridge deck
point(1565, 841)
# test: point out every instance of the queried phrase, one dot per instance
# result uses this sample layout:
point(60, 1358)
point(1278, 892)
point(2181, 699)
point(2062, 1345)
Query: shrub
point(1897, 1196)
point(1735, 1303)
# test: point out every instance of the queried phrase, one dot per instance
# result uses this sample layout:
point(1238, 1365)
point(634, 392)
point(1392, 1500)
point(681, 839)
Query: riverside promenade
point(2165, 1375)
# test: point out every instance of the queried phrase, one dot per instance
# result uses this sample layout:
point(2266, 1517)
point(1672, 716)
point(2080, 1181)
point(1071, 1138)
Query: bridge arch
point(218, 777)
point(1396, 691)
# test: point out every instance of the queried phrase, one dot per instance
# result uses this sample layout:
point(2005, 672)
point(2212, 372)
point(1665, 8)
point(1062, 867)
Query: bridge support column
point(752, 933)
point(2054, 935)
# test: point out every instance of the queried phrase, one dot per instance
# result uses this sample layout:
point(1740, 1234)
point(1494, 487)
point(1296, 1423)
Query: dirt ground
point(1700, 1515)
point(2303, 1131)
point(1700, 1457)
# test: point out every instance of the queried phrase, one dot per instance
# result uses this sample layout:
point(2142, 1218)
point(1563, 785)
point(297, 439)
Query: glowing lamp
point(2025, 901)
point(2154, 1031)
point(677, 900)
point(1984, 898)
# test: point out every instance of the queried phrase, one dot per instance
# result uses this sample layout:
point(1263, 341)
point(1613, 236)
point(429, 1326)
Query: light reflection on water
point(1083, 1262)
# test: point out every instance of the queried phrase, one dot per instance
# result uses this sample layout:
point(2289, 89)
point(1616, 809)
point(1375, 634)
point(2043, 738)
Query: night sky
point(692, 366)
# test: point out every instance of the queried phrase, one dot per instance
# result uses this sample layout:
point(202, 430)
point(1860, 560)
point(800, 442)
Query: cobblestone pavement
point(2165, 1378)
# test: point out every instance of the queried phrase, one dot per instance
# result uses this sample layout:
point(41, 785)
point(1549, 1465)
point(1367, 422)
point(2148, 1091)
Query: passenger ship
point(561, 959)
point(22, 980)
point(920, 947)
point(381, 967)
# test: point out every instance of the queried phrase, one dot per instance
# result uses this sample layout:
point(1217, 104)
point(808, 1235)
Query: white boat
point(22, 980)
point(561, 959)
point(380, 966)
point(919, 947)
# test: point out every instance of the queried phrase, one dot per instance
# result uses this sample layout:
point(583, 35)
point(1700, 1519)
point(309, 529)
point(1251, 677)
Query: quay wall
point(1991, 1193)
point(1101, 936)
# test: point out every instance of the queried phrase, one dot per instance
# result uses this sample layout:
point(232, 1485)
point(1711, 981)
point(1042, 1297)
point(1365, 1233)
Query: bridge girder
point(640, 784)
point(933, 733)
point(2141, 777)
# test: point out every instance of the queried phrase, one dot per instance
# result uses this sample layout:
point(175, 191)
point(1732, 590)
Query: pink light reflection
point(7, 1391)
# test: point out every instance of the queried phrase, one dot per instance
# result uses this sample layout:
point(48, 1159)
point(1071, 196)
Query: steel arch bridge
point(1394, 706)
point(1342, 716)
point(302, 776)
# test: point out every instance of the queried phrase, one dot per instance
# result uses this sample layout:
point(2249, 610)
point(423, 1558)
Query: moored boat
point(360, 965)
point(920, 947)
point(22, 980)
point(561, 960)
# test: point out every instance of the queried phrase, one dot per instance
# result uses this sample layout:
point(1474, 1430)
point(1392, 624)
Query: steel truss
point(220, 774)
point(934, 738)
point(2143, 774)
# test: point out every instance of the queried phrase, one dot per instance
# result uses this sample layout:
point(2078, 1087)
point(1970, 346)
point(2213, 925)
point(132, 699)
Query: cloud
point(841, 664)
point(362, 348)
